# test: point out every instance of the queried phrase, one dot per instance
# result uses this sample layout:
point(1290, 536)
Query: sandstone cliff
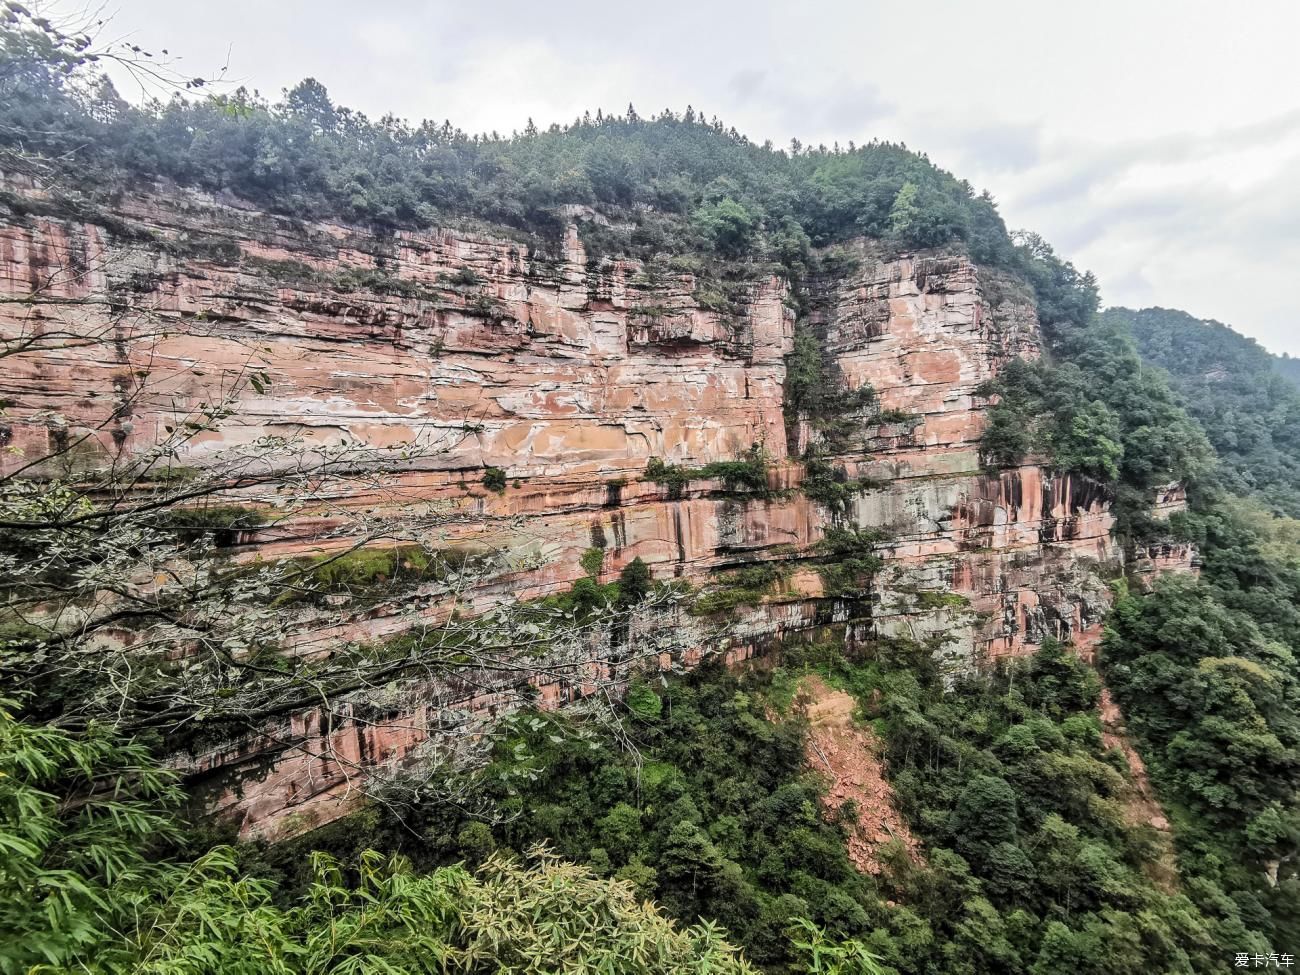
point(569, 375)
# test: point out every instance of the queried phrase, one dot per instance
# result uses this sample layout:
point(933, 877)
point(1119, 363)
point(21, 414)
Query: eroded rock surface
point(569, 375)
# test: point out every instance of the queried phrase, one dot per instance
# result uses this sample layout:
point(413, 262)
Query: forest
point(683, 830)
point(1239, 392)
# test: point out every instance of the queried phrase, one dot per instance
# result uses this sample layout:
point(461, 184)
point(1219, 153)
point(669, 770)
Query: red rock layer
point(569, 375)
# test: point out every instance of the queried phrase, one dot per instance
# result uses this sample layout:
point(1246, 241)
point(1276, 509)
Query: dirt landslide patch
point(1141, 807)
point(850, 757)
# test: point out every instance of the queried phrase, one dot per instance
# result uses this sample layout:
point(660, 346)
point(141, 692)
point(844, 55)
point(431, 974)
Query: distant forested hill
point(1246, 398)
point(1288, 367)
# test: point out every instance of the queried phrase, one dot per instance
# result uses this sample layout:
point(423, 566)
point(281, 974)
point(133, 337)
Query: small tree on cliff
point(633, 583)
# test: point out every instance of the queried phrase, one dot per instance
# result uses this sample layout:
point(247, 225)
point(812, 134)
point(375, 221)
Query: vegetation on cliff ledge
point(747, 474)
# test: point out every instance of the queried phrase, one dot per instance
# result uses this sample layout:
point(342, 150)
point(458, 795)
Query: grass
point(371, 571)
point(929, 599)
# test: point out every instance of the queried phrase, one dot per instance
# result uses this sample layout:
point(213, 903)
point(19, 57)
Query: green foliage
point(222, 523)
point(715, 816)
point(465, 278)
point(815, 391)
point(1028, 859)
point(1005, 777)
point(1029, 864)
point(673, 476)
point(848, 560)
point(1093, 409)
point(1233, 388)
point(633, 583)
point(1287, 365)
point(677, 182)
point(743, 587)
point(726, 225)
point(644, 702)
point(929, 600)
point(748, 474)
point(829, 484)
point(586, 599)
point(920, 217)
point(371, 572)
point(827, 957)
point(592, 561)
point(805, 380)
point(1205, 669)
point(1213, 700)
point(79, 815)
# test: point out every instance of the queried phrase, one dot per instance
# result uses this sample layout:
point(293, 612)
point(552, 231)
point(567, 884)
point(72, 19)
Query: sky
point(1154, 142)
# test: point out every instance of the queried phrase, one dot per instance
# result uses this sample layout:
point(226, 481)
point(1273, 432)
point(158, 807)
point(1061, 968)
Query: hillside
point(1288, 366)
point(1235, 389)
point(416, 549)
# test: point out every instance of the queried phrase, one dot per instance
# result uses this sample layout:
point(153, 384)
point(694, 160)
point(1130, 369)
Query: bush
point(592, 561)
point(372, 572)
point(633, 583)
point(745, 587)
point(829, 484)
point(748, 474)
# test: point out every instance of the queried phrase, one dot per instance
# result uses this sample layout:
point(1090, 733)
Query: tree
point(985, 815)
point(309, 102)
point(634, 583)
point(727, 225)
point(1237, 392)
point(80, 813)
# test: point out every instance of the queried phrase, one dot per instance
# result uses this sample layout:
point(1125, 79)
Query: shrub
point(591, 561)
point(748, 474)
point(745, 587)
point(633, 583)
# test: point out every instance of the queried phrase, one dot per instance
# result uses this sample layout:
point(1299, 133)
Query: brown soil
point(850, 757)
point(1141, 807)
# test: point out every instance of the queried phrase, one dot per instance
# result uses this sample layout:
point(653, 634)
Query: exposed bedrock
point(569, 375)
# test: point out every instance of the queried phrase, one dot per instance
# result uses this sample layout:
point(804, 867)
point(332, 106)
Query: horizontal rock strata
point(569, 375)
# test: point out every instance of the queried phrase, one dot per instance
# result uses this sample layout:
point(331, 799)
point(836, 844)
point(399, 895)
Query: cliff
point(569, 374)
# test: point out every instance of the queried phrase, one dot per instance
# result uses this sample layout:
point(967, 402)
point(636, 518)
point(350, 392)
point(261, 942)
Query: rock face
point(569, 375)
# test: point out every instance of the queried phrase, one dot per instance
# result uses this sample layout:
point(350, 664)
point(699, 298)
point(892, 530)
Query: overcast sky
point(1155, 143)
